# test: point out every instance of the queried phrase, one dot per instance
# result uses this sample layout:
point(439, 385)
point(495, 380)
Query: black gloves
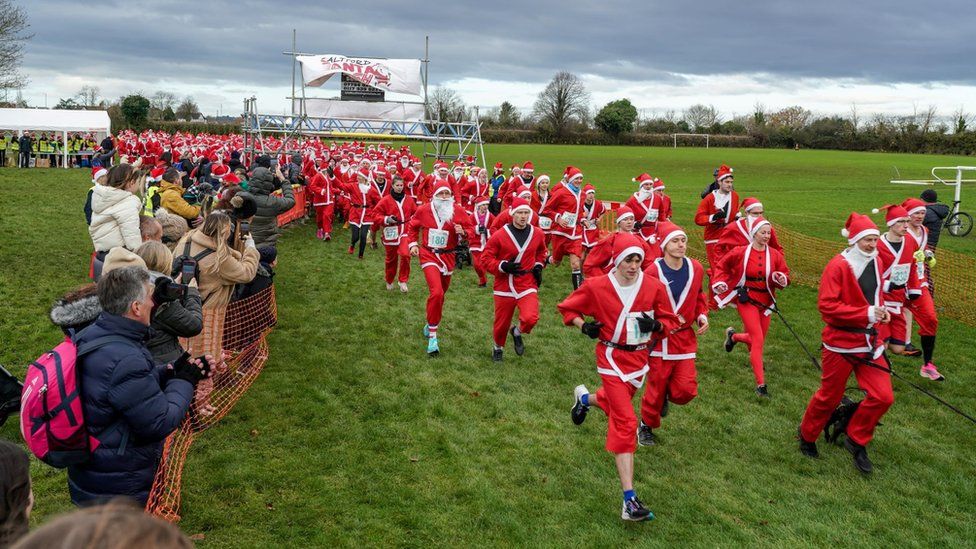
point(509, 267)
point(892, 287)
point(591, 329)
point(913, 297)
point(719, 216)
point(537, 274)
point(743, 294)
point(186, 370)
point(391, 220)
point(481, 229)
point(648, 324)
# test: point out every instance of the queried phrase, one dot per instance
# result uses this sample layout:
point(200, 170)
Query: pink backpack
point(51, 417)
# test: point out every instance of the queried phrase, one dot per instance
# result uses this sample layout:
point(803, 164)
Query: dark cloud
point(240, 41)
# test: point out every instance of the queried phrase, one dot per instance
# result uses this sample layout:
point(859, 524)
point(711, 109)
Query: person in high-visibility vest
point(4, 141)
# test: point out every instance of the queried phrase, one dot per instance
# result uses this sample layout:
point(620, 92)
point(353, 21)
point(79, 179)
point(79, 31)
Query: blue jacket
point(128, 408)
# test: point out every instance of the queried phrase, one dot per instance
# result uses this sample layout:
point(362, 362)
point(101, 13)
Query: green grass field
point(352, 436)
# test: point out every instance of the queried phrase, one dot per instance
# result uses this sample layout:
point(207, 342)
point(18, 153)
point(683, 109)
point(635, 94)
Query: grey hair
point(120, 287)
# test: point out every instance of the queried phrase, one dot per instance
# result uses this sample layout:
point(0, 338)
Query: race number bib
point(920, 270)
point(651, 216)
point(437, 238)
point(590, 224)
point(899, 274)
point(390, 233)
point(545, 223)
point(569, 219)
point(634, 335)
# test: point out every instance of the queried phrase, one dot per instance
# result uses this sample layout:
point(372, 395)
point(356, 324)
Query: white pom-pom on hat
point(845, 233)
point(874, 211)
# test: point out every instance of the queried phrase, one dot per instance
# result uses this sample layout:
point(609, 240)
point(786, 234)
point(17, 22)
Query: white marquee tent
point(51, 120)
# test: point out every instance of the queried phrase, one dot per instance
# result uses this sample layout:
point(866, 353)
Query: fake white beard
point(444, 208)
point(644, 195)
point(364, 187)
point(858, 259)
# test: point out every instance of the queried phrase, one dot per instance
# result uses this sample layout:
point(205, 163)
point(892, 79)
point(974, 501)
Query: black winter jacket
point(264, 226)
point(172, 321)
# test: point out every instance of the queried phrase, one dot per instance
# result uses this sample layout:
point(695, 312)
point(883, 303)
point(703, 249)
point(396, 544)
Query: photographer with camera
point(265, 179)
point(130, 405)
point(179, 309)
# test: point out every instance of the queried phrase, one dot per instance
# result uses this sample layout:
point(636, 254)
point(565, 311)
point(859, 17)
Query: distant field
point(351, 436)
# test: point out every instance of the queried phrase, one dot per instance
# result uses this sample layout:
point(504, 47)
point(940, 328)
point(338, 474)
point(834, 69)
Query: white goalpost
point(675, 137)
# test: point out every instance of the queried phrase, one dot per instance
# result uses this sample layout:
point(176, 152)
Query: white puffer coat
point(115, 219)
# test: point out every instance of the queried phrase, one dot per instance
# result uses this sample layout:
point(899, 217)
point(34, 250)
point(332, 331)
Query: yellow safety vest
point(15, 145)
point(3, 142)
point(147, 205)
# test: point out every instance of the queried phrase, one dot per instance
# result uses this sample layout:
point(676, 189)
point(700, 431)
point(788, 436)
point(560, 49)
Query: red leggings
point(756, 324)
point(711, 254)
point(615, 398)
point(476, 261)
point(923, 312)
point(836, 370)
point(437, 284)
point(528, 306)
point(676, 379)
point(323, 217)
point(391, 261)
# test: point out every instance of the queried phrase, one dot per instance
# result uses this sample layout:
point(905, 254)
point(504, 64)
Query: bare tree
point(563, 101)
point(701, 116)
point(854, 117)
point(88, 96)
point(188, 109)
point(928, 118)
point(13, 34)
point(445, 105)
point(162, 100)
point(794, 118)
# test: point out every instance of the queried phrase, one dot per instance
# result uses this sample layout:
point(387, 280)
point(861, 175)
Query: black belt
point(622, 347)
point(756, 278)
point(866, 331)
point(444, 251)
point(359, 205)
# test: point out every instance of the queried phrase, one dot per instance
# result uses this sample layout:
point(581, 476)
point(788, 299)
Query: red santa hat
point(499, 166)
point(757, 224)
point(751, 203)
point(440, 186)
point(624, 246)
point(458, 164)
point(668, 232)
point(589, 189)
point(525, 192)
point(643, 178)
point(97, 172)
point(231, 179)
point(156, 174)
point(723, 172)
point(519, 203)
point(381, 173)
point(572, 173)
point(364, 173)
point(913, 206)
point(528, 167)
point(857, 227)
point(440, 165)
point(541, 178)
point(415, 160)
point(658, 185)
point(481, 201)
point(893, 213)
point(623, 213)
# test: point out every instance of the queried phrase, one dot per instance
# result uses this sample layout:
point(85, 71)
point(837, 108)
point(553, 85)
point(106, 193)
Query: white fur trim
point(630, 250)
point(625, 216)
point(755, 228)
point(669, 236)
point(866, 232)
point(756, 205)
point(522, 207)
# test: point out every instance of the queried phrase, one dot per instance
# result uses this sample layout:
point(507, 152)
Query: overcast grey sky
point(888, 56)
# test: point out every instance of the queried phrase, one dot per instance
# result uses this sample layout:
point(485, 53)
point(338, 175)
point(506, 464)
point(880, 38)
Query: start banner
point(389, 75)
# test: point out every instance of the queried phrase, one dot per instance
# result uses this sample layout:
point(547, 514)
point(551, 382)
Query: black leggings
point(359, 233)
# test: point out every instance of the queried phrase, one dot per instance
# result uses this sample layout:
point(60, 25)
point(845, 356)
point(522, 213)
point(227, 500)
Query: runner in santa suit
point(415, 180)
point(737, 233)
point(342, 179)
point(440, 176)
point(379, 187)
point(665, 213)
point(432, 235)
point(362, 198)
point(715, 211)
point(515, 185)
point(565, 208)
point(390, 215)
point(460, 180)
point(593, 210)
point(922, 309)
point(475, 188)
point(483, 220)
point(600, 259)
point(539, 200)
point(896, 258)
point(515, 255)
point(629, 309)
point(648, 207)
point(748, 277)
point(672, 377)
point(509, 185)
point(850, 305)
point(505, 217)
point(320, 187)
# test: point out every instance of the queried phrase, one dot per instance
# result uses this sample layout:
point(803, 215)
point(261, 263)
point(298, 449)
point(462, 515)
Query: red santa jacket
point(515, 186)
point(742, 265)
point(898, 271)
point(565, 206)
point(472, 190)
point(688, 303)
point(320, 185)
point(847, 313)
point(481, 230)
point(737, 234)
point(648, 212)
point(921, 243)
point(392, 232)
point(591, 222)
point(505, 217)
point(436, 238)
point(501, 247)
point(431, 180)
point(360, 203)
point(600, 259)
point(603, 299)
point(707, 208)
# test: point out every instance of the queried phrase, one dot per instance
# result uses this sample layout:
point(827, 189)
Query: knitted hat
point(625, 245)
point(268, 254)
point(929, 195)
point(751, 203)
point(519, 204)
point(668, 232)
point(244, 206)
point(723, 172)
point(623, 213)
point(174, 227)
point(857, 227)
point(893, 213)
point(118, 257)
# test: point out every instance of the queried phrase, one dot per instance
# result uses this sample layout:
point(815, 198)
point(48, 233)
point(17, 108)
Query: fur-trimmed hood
point(77, 309)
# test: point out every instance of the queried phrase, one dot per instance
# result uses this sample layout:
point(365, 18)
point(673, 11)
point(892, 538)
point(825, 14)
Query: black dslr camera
point(10, 389)
point(167, 290)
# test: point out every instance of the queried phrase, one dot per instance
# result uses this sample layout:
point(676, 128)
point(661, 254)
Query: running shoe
point(645, 435)
point(578, 411)
point(517, 342)
point(729, 342)
point(634, 510)
point(403, 287)
point(432, 348)
point(929, 371)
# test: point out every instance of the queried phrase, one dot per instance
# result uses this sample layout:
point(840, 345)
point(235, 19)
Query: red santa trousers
point(615, 398)
point(390, 264)
point(923, 312)
point(528, 306)
point(476, 261)
point(675, 379)
point(896, 330)
point(756, 325)
point(323, 217)
point(836, 370)
point(437, 284)
point(713, 257)
point(562, 246)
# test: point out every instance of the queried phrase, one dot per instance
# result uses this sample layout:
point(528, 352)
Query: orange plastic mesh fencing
point(238, 334)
